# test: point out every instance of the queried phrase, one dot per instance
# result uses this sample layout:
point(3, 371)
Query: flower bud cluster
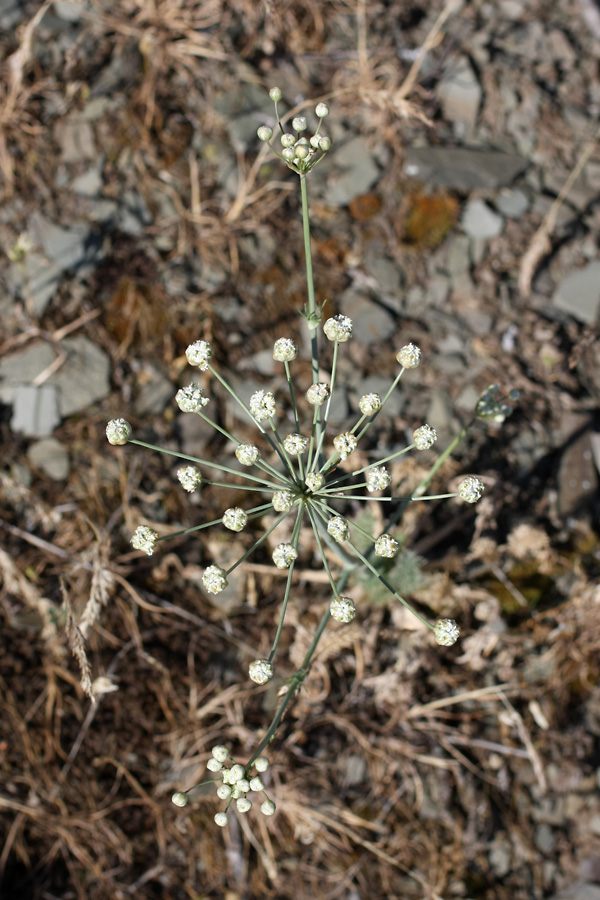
point(234, 783)
point(299, 152)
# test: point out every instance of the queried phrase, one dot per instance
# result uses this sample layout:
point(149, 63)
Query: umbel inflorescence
point(300, 471)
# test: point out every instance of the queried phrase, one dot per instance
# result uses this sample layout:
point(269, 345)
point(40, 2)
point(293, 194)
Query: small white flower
point(236, 773)
point(199, 354)
point(338, 328)
point(299, 123)
point(213, 765)
point(221, 819)
point(261, 764)
point(223, 792)
point(369, 404)
point(264, 132)
point(295, 444)
point(338, 529)
point(470, 489)
point(118, 431)
point(325, 144)
point(243, 805)
point(318, 393)
point(282, 501)
point(262, 405)
point(257, 784)
point(287, 140)
point(409, 356)
point(315, 481)
point(220, 753)
point(321, 110)
point(424, 437)
point(260, 671)
point(345, 444)
point(275, 94)
point(191, 398)
point(145, 539)
point(179, 799)
point(378, 479)
point(234, 518)
point(243, 785)
point(446, 632)
point(284, 555)
point(284, 350)
point(247, 454)
point(214, 580)
point(302, 152)
point(267, 808)
point(386, 546)
point(289, 154)
point(342, 609)
point(190, 477)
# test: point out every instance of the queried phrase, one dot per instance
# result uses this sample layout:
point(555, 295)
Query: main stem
point(310, 284)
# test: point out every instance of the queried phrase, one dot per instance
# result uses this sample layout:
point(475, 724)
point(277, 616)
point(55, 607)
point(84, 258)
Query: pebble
point(463, 168)
point(51, 457)
point(512, 203)
point(578, 294)
point(460, 96)
point(36, 282)
point(372, 323)
point(480, 221)
point(89, 183)
point(35, 410)
point(544, 839)
point(355, 173)
point(68, 248)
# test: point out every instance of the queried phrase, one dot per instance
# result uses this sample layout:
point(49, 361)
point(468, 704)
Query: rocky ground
point(458, 209)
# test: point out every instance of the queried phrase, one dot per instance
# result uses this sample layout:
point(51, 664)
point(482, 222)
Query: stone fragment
point(578, 294)
point(355, 173)
point(512, 203)
point(371, 321)
point(460, 96)
point(463, 168)
point(68, 248)
point(481, 222)
point(51, 457)
point(35, 410)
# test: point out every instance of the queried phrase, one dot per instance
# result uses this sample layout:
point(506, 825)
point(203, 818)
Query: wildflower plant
point(306, 475)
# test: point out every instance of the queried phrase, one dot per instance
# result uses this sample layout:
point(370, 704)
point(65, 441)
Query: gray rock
point(544, 838)
point(155, 392)
point(355, 173)
point(51, 457)
point(481, 222)
point(23, 367)
point(84, 378)
point(69, 248)
point(35, 410)
point(386, 273)
point(37, 282)
point(371, 322)
point(460, 95)
point(512, 203)
point(463, 168)
point(458, 257)
point(88, 184)
point(134, 214)
point(69, 10)
point(75, 137)
point(578, 294)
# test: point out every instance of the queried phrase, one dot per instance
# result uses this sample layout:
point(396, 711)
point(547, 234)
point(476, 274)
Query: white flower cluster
point(234, 783)
point(300, 153)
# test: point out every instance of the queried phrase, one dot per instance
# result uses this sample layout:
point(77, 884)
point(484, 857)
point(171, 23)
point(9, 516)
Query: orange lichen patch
point(365, 207)
point(428, 219)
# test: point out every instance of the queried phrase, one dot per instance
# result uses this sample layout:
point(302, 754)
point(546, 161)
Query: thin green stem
point(294, 542)
point(257, 543)
point(315, 529)
point(310, 285)
point(260, 463)
point(213, 465)
point(253, 513)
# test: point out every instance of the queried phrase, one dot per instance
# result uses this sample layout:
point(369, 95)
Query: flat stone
point(75, 137)
point(581, 890)
point(463, 168)
point(156, 390)
point(51, 457)
point(372, 323)
point(355, 173)
point(578, 294)
point(38, 283)
point(84, 379)
point(69, 10)
point(35, 410)
point(480, 222)
point(88, 184)
point(460, 96)
point(68, 248)
point(512, 203)
point(386, 273)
